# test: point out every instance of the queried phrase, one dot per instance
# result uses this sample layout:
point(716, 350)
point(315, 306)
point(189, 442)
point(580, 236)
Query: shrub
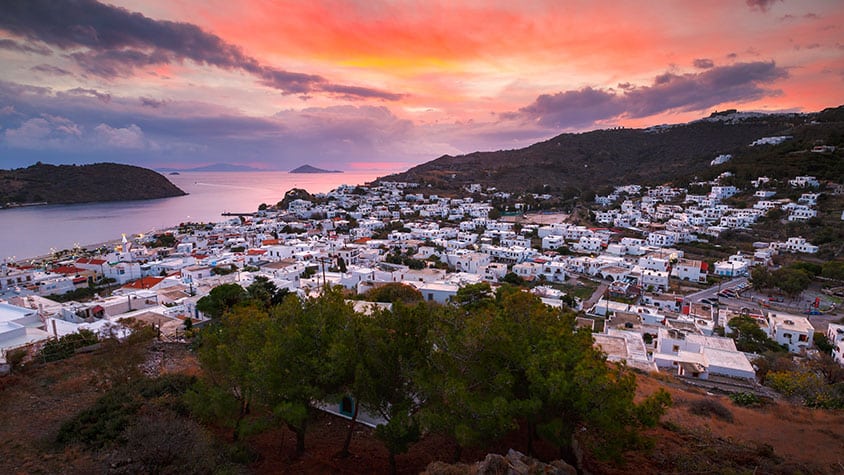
point(163, 442)
point(745, 399)
point(15, 358)
point(104, 422)
point(65, 346)
point(710, 407)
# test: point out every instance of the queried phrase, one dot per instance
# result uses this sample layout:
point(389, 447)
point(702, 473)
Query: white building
point(794, 331)
point(654, 279)
point(802, 213)
point(438, 292)
point(691, 270)
point(835, 335)
point(699, 356)
point(795, 244)
point(804, 181)
point(723, 192)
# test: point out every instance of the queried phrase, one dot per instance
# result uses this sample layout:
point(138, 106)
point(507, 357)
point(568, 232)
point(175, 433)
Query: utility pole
point(322, 261)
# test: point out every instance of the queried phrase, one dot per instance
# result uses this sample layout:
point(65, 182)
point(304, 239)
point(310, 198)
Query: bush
point(15, 358)
point(710, 407)
point(65, 347)
point(745, 399)
point(104, 422)
point(163, 442)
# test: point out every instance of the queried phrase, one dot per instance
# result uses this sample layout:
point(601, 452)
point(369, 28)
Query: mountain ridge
point(574, 163)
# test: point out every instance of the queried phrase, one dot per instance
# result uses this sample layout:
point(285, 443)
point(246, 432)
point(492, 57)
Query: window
point(675, 348)
point(803, 338)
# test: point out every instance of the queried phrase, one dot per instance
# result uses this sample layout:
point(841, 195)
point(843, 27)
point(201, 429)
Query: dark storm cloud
point(113, 63)
point(13, 45)
point(52, 70)
point(761, 5)
point(703, 63)
point(36, 123)
point(349, 92)
point(740, 82)
point(117, 41)
point(572, 108)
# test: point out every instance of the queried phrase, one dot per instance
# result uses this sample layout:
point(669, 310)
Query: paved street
point(712, 292)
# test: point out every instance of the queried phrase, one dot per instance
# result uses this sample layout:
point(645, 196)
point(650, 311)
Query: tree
point(474, 295)
point(749, 337)
point(347, 358)
point(822, 343)
point(387, 376)
point(394, 292)
point(228, 352)
point(833, 270)
point(293, 369)
point(513, 279)
point(792, 281)
point(221, 299)
point(466, 383)
point(761, 277)
point(265, 291)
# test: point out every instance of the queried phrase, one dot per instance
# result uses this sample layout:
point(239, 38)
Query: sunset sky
point(368, 84)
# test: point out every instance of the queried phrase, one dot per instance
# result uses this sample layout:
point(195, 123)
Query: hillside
point(65, 184)
point(40, 399)
point(578, 163)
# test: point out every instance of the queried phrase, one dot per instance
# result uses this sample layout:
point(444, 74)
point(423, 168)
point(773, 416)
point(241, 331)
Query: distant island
point(216, 167)
point(310, 169)
point(66, 184)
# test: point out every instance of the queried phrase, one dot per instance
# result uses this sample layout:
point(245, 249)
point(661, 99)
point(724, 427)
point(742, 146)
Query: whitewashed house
point(793, 331)
point(835, 335)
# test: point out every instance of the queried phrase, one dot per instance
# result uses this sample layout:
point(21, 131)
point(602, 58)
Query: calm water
point(33, 231)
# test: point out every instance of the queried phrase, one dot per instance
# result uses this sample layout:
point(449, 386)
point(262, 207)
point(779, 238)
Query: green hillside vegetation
point(472, 372)
point(65, 184)
point(579, 164)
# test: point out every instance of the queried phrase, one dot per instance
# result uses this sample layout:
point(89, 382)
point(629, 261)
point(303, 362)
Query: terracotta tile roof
point(66, 270)
point(143, 283)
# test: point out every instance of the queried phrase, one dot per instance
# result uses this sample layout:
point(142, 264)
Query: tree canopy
point(473, 370)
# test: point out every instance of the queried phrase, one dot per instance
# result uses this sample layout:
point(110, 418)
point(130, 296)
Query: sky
point(366, 85)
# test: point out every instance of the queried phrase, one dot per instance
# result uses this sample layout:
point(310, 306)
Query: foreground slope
point(776, 437)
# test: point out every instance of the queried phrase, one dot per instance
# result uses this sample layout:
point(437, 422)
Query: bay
point(33, 231)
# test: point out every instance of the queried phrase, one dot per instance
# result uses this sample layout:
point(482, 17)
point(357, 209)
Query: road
point(712, 292)
point(596, 295)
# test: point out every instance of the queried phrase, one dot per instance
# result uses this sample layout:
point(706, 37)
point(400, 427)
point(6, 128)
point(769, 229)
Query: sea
point(32, 231)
